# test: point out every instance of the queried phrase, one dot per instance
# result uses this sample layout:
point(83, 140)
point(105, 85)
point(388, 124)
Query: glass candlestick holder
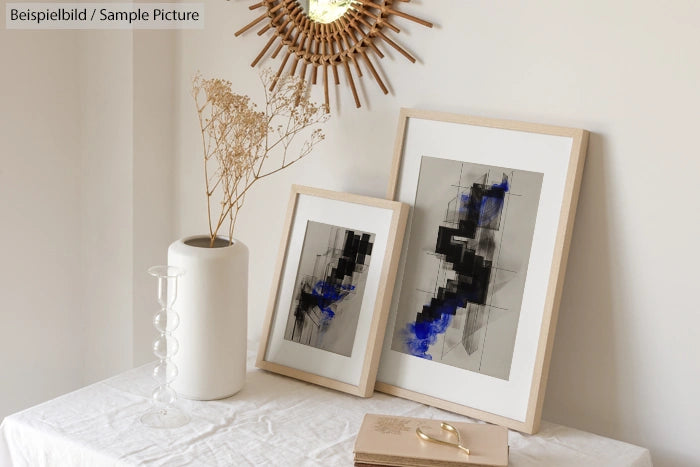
point(164, 413)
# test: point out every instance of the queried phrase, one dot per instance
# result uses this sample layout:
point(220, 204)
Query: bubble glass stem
point(164, 413)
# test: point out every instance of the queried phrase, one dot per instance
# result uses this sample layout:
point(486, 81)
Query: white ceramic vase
point(213, 306)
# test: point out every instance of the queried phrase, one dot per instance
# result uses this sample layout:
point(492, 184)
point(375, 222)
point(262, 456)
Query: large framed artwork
point(474, 308)
point(332, 289)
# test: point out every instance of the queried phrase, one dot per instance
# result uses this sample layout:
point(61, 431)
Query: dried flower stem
point(237, 139)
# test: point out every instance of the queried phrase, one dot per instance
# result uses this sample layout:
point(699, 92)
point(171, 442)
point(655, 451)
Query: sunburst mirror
point(329, 34)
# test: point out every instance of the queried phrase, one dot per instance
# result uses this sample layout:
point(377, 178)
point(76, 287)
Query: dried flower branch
point(238, 139)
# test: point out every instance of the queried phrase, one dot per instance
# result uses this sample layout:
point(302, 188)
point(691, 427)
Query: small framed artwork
point(474, 308)
point(332, 289)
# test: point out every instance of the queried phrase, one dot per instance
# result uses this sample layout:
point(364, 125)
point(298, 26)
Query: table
point(274, 420)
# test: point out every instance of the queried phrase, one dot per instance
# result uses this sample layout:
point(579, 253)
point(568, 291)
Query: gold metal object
point(447, 427)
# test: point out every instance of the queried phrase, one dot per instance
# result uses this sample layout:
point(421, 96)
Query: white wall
point(107, 201)
point(85, 186)
point(624, 362)
point(153, 177)
point(39, 218)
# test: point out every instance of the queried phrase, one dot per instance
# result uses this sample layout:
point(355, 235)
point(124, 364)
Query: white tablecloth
point(274, 420)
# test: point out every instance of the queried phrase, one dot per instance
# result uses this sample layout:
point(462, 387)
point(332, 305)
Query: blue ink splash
point(328, 294)
point(436, 317)
point(491, 202)
point(501, 186)
point(418, 337)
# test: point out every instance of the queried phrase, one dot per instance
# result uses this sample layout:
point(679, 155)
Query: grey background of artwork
point(340, 334)
point(436, 187)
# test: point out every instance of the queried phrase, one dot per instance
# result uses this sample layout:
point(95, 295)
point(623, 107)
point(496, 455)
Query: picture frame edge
point(277, 277)
point(406, 113)
point(542, 365)
point(389, 273)
point(313, 378)
point(370, 364)
point(454, 407)
point(577, 156)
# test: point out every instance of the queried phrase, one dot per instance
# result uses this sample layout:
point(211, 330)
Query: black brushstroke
point(318, 297)
point(479, 217)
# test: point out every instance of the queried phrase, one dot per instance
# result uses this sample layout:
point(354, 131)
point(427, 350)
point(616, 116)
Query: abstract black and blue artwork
point(329, 287)
point(469, 245)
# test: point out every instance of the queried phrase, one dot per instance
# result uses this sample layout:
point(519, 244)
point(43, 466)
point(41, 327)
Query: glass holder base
point(170, 417)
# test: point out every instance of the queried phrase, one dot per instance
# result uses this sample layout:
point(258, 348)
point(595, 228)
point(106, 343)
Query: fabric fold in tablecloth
point(274, 420)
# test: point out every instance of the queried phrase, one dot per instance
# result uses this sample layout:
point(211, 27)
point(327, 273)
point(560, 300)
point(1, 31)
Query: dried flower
point(238, 139)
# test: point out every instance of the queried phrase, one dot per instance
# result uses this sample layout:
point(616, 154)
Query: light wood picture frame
point(474, 310)
point(332, 289)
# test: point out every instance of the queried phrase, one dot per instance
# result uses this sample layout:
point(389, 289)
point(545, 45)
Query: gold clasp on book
point(447, 427)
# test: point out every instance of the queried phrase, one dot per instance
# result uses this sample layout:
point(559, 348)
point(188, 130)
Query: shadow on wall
point(582, 390)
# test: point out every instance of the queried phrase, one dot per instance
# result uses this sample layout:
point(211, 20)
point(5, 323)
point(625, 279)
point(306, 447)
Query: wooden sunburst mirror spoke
point(343, 43)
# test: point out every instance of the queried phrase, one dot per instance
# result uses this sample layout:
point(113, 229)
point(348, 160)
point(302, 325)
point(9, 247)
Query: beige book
point(390, 441)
